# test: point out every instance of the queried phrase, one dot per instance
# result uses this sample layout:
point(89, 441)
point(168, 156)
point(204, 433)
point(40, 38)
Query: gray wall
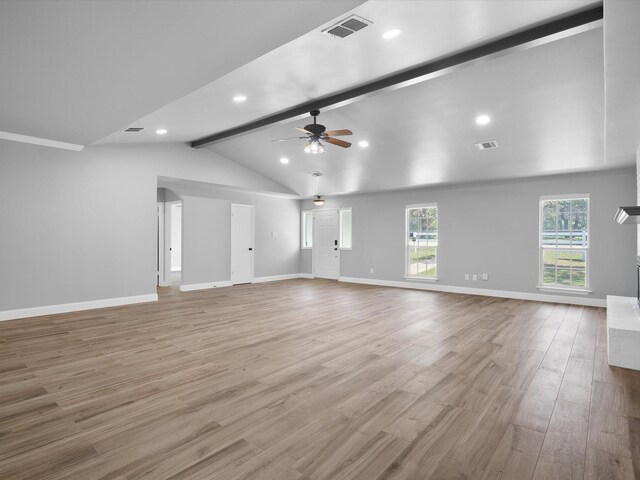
point(81, 226)
point(206, 237)
point(492, 228)
point(207, 233)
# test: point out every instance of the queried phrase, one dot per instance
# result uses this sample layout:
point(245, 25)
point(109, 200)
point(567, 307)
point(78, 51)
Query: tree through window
point(564, 242)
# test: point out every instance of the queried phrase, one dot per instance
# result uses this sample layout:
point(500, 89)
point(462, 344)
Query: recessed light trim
point(483, 119)
point(363, 144)
point(161, 131)
point(239, 98)
point(284, 160)
point(389, 34)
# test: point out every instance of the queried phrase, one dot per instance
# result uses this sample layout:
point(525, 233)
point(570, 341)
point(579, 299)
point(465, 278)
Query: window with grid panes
point(421, 241)
point(564, 242)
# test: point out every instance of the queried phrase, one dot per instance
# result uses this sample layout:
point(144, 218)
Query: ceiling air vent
point(347, 26)
point(487, 145)
point(134, 129)
point(316, 173)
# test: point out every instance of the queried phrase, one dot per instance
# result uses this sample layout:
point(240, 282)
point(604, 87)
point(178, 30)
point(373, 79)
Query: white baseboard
point(276, 278)
point(536, 297)
point(306, 275)
point(76, 307)
point(205, 286)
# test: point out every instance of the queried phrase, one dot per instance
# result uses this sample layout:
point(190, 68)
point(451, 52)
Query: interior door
point(326, 253)
point(241, 244)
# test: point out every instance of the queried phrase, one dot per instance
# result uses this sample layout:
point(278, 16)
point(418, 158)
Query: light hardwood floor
point(311, 379)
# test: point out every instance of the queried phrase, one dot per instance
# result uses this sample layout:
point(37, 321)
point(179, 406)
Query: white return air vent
point(347, 26)
point(487, 145)
point(316, 173)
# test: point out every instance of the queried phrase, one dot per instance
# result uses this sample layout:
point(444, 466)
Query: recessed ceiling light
point(363, 143)
point(239, 98)
point(284, 160)
point(483, 119)
point(161, 131)
point(391, 33)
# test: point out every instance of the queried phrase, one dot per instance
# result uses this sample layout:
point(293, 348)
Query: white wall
point(67, 238)
point(491, 228)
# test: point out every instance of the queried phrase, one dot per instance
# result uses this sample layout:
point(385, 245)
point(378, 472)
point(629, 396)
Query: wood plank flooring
point(311, 379)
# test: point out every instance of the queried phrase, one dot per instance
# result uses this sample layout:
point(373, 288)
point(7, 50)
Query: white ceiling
point(77, 71)
point(316, 64)
point(81, 72)
point(545, 103)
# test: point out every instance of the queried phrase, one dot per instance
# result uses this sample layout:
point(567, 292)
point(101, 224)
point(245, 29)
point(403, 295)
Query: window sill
point(422, 279)
point(577, 291)
point(306, 248)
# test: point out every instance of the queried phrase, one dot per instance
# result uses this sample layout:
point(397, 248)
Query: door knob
point(335, 249)
point(250, 248)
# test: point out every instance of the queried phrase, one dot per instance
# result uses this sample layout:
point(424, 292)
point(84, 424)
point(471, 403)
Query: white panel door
point(326, 253)
point(241, 244)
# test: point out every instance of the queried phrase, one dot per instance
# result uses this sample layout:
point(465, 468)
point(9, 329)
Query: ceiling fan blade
point(285, 139)
point(335, 141)
point(337, 133)
point(303, 130)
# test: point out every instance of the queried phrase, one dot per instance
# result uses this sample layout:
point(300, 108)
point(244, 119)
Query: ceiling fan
point(316, 132)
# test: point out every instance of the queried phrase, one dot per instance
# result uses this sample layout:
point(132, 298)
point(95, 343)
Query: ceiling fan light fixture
point(318, 201)
point(314, 146)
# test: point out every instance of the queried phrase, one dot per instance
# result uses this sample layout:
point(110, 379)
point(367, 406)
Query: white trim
point(422, 279)
point(205, 286)
point(565, 196)
point(76, 307)
point(306, 275)
point(406, 236)
point(45, 142)
point(536, 297)
point(302, 229)
point(422, 205)
point(576, 291)
point(344, 209)
point(542, 248)
point(276, 278)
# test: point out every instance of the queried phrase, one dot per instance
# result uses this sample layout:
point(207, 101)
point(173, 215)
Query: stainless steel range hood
point(628, 215)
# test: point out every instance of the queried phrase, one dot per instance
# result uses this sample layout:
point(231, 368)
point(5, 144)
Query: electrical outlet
point(485, 276)
point(371, 270)
point(466, 276)
point(475, 278)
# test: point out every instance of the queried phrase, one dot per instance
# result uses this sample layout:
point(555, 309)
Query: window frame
point(303, 213)
point(342, 209)
point(407, 275)
point(541, 248)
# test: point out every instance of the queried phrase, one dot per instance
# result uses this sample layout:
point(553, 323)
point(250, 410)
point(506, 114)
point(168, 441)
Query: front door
point(241, 244)
point(326, 253)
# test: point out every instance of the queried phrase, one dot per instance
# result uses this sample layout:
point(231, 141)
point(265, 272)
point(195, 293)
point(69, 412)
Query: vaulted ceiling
point(82, 72)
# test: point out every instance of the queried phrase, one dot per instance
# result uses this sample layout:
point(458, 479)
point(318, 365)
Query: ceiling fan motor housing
point(315, 128)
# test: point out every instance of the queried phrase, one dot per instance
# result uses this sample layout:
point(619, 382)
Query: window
point(345, 228)
point(421, 241)
point(307, 229)
point(564, 242)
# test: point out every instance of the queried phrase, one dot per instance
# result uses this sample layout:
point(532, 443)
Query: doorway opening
point(169, 257)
